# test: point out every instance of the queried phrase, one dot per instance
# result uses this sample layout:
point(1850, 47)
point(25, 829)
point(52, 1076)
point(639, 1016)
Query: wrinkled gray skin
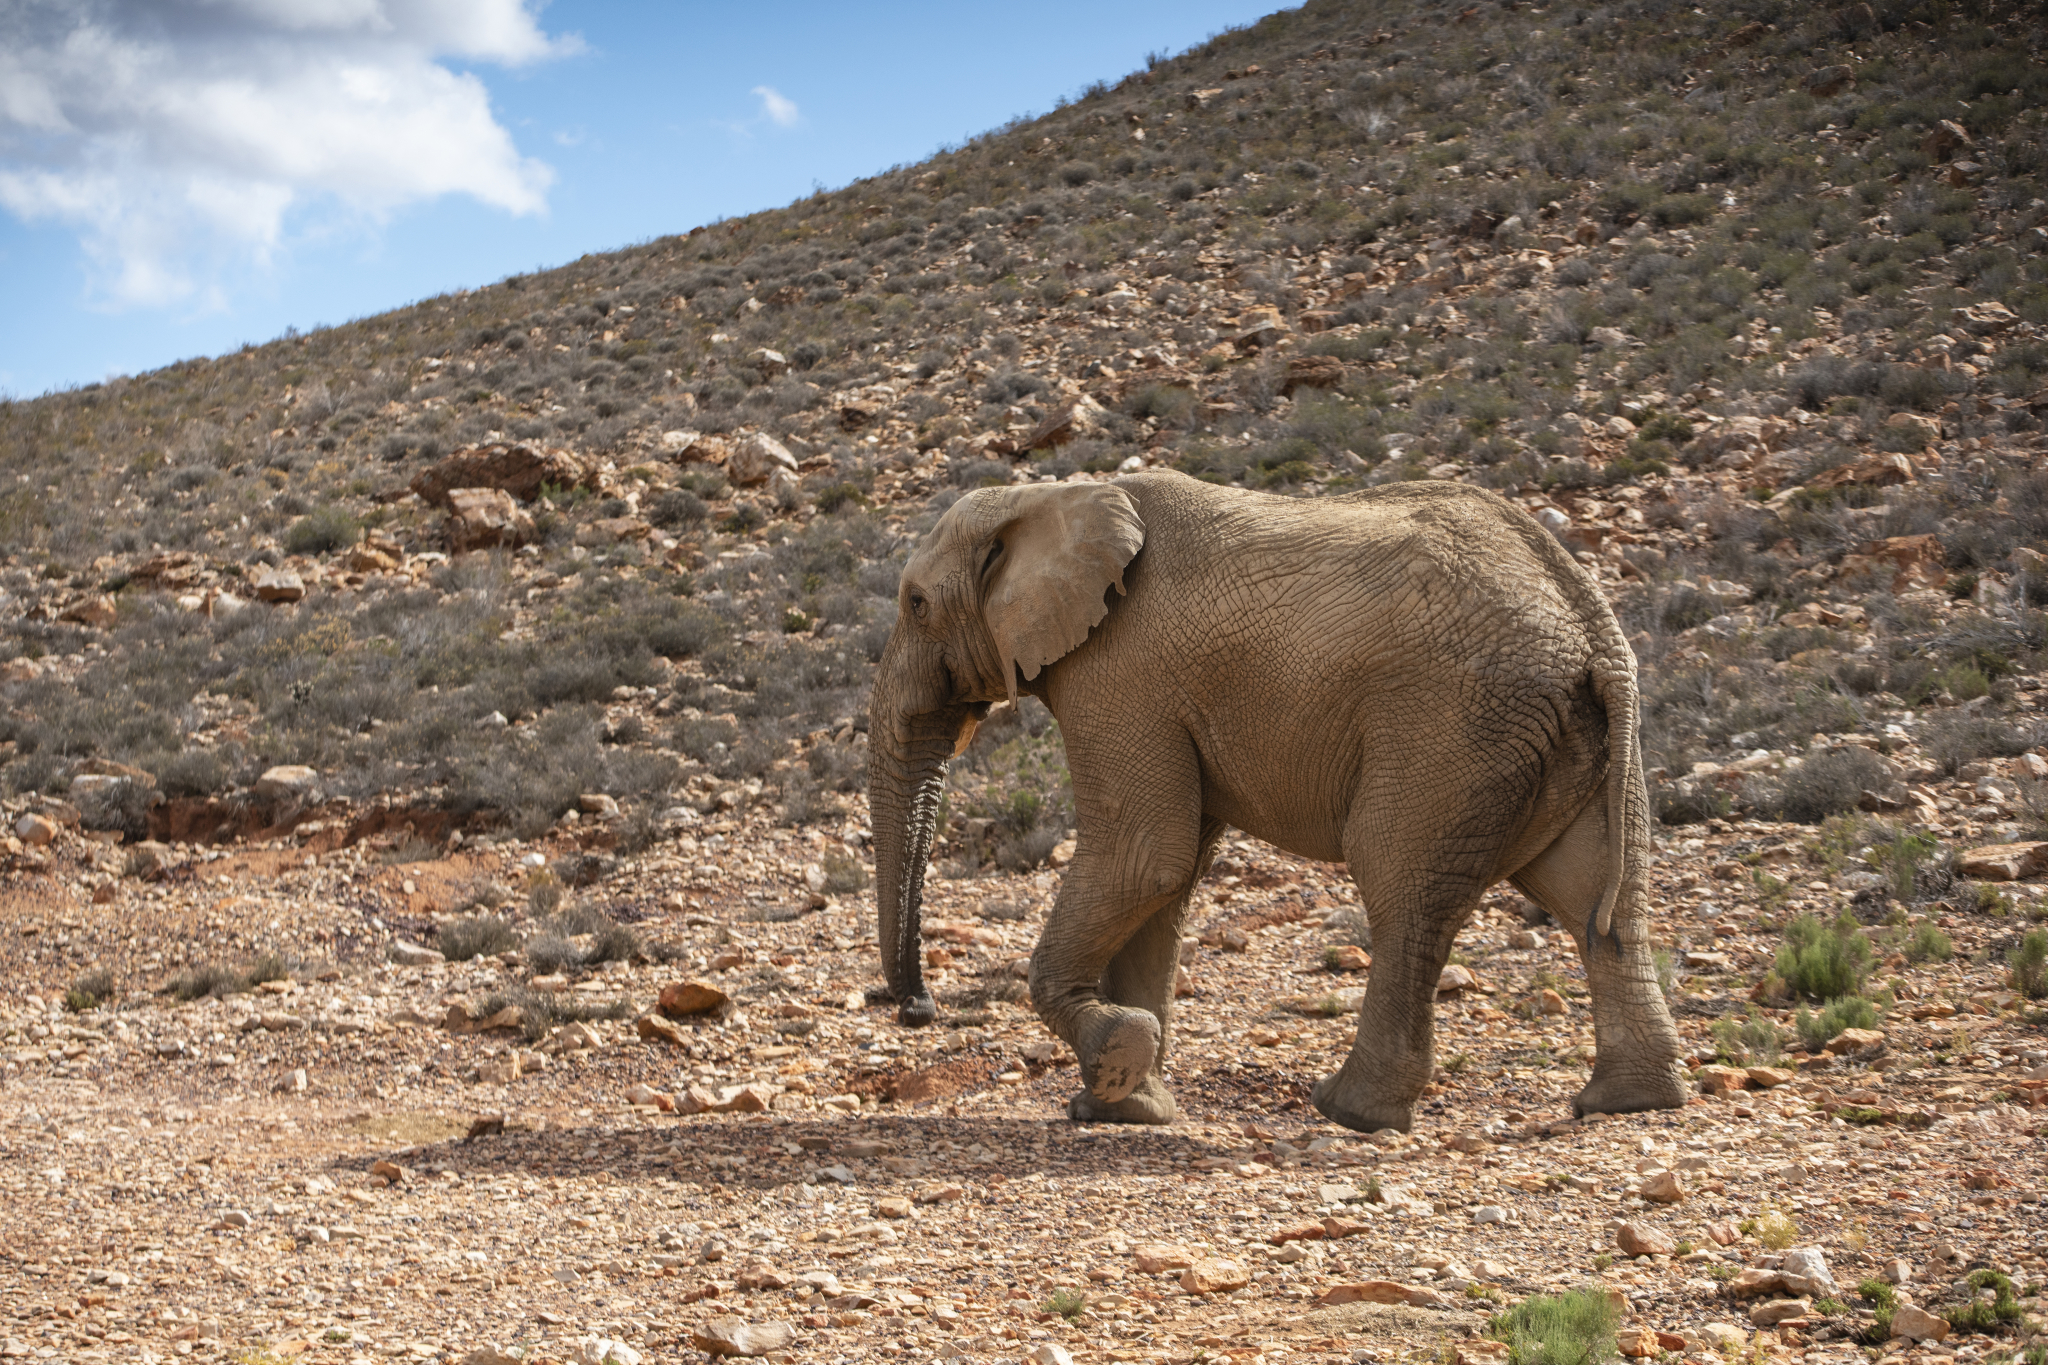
point(1417, 681)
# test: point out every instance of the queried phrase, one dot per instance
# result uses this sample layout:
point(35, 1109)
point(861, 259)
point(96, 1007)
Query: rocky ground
point(348, 1161)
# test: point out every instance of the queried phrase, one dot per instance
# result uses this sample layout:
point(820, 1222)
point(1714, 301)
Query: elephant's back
point(1378, 552)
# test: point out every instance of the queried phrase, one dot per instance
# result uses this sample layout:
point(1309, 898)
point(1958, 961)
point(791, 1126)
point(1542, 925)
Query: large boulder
point(519, 469)
point(277, 584)
point(755, 457)
point(486, 518)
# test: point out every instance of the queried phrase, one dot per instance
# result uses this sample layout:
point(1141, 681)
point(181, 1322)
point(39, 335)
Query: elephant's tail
point(1613, 673)
point(1614, 677)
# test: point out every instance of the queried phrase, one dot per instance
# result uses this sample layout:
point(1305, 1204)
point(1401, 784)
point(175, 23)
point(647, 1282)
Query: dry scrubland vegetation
point(1749, 305)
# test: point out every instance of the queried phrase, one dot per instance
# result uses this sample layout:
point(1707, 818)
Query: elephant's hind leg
point(1415, 901)
point(1635, 1065)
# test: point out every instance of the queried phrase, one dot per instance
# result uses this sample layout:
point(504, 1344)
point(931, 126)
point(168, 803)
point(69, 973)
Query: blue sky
point(178, 177)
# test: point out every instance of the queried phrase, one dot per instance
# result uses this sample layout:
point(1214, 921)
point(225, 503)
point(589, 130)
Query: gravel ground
point(341, 1163)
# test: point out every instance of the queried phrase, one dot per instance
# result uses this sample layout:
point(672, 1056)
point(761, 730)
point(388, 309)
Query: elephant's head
point(1009, 580)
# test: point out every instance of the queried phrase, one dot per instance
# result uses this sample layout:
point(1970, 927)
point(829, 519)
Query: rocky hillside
point(1745, 303)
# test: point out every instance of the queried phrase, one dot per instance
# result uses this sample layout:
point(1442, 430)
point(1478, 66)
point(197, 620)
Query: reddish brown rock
point(1312, 372)
point(1640, 1239)
point(1154, 1258)
point(485, 519)
point(2006, 862)
point(520, 470)
point(1214, 1276)
point(1378, 1291)
point(681, 999)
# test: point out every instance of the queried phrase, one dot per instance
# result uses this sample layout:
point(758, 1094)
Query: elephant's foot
point(1617, 1093)
point(915, 1011)
point(1356, 1108)
point(1117, 1052)
point(1151, 1102)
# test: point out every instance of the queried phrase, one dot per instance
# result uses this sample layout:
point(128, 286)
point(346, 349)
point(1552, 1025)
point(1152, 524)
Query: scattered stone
point(1350, 958)
point(1862, 1041)
point(1214, 1276)
point(414, 955)
point(277, 585)
point(1154, 1258)
point(1380, 1291)
point(1456, 978)
point(726, 1336)
point(1662, 1187)
point(755, 457)
point(656, 1029)
point(1640, 1239)
point(683, 999)
point(1715, 1080)
point(485, 519)
point(1050, 1353)
point(1806, 1274)
point(1637, 1342)
point(602, 1351)
point(1774, 1311)
point(1917, 1324)
point(519, 471)
point(2006, 862)
point(288, 782)
point(1827, 81)
point(1724, 1337)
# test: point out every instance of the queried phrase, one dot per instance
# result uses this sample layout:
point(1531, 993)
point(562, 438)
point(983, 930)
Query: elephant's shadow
point(723, 1156)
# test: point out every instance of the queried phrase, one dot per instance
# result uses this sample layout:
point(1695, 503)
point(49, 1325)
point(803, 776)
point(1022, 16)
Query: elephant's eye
point(917, 605)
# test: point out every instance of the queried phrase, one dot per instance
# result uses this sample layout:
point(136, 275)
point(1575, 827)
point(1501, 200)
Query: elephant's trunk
point(906, 777)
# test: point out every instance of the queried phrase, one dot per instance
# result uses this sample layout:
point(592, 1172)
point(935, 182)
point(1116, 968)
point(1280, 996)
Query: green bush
point(1823, 961)
point(322, 530)
point(1573, 1328)
point(1978, 1314)
point(2029, 963)
point(476, 936)
point(214, 978)
point(1884, 1301)
point(1905, 861)
point(90, 991)
point(1825, 784)
point(1067, 1303)
point(1752, 1040)
point(1929, 944)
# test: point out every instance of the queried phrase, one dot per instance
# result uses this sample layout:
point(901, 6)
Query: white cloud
point(177, 137)
point(779, 109)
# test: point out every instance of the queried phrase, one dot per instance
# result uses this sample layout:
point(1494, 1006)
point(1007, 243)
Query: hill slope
point(1649, 267)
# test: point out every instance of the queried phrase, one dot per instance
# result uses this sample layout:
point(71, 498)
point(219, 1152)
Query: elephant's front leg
point(1103, 973)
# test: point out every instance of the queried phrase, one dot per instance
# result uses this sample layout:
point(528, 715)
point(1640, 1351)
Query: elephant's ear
point(1062, 548)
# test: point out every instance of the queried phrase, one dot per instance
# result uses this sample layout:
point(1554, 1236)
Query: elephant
point(1416, 680)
